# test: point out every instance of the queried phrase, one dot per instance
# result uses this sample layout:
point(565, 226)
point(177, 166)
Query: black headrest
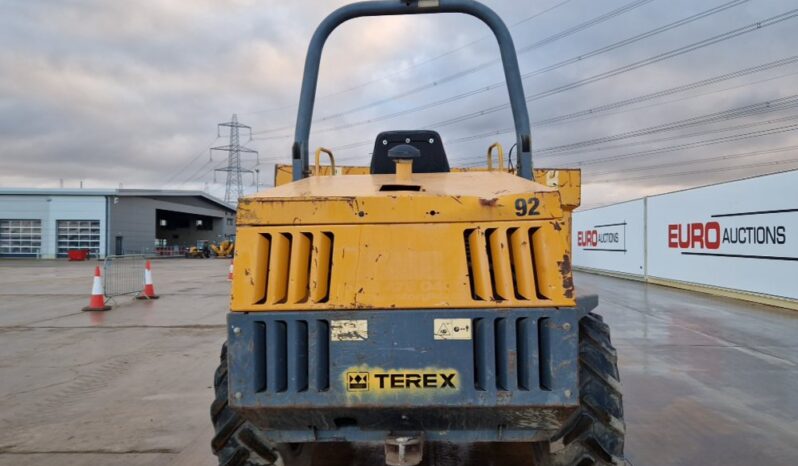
point(432, 160)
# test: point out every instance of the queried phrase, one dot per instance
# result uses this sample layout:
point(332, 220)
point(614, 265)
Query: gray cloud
point(114, 93)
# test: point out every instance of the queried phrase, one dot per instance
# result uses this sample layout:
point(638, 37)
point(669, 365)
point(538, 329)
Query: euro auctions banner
point(610, 238)
point(741, 235)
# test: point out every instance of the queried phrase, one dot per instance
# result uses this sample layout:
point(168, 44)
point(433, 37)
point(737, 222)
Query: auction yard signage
point(712, 236)
point(741, 235)
point(610, 238)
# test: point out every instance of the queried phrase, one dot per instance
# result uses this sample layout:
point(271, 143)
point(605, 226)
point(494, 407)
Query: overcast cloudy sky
point(646, 96)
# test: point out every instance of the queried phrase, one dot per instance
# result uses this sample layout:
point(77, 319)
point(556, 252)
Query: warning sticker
point(349, 330)
point(452, 329)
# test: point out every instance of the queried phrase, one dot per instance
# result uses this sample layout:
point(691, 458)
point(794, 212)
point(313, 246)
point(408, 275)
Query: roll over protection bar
point(512, 73)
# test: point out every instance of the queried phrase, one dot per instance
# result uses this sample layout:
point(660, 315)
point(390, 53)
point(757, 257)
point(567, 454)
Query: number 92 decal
point(527, 207)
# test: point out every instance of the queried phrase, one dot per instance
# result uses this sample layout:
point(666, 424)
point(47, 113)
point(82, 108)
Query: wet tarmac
point(707, 381)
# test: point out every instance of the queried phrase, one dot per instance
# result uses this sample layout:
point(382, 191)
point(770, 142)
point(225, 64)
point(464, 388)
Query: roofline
point(115, 192)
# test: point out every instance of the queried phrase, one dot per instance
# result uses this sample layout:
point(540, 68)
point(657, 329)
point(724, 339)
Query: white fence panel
point(741, 235)
point(611, 238)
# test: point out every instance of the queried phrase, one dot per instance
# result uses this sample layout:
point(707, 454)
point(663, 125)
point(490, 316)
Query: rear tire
point(594, 436)
point(237, 442)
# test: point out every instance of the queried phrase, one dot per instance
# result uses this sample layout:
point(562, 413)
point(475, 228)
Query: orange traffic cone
point(230, 272)
point(149, 289)
point(97, 300)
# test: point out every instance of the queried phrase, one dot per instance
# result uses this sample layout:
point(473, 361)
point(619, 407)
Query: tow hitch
point(404, 450)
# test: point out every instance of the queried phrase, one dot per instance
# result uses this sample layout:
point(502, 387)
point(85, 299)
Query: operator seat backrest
point(433, 156)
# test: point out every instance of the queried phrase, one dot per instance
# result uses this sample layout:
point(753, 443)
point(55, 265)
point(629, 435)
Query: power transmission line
point(460, 74)
point(691, 145)
point(607, 74)
point(417, 64)
point(736, 112)
point(600, 110)
point(597, 111)
point(632, 66)
point(682, 163)
point(194, 159)
point(697, 172)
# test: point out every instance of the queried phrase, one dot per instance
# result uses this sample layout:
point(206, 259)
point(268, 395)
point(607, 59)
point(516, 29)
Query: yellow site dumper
point(410, 302)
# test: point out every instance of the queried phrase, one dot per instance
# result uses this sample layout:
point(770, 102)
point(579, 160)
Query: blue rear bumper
point(457, 375)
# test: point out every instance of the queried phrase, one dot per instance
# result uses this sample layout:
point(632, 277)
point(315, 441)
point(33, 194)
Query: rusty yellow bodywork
point(466, 239)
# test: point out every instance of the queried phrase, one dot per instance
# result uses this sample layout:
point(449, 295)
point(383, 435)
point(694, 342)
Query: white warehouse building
point(47, 223)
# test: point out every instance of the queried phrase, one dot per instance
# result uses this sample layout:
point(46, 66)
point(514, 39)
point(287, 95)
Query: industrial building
point(47, 223)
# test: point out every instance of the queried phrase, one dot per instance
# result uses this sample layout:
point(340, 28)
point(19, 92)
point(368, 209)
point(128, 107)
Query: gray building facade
point(47, 223)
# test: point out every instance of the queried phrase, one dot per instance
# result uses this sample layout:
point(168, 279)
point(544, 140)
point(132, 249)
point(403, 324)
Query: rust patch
point(568, 284)
point(504, 395)
point(489, 202)
point(567, 276)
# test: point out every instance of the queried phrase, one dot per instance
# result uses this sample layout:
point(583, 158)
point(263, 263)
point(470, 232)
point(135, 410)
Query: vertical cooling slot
point(502, 274)
point(479, 264)
point(523, 263)
point(544, 353)
point(482, 361)
point(501, 351)
point(260, 268)
point(543, 255)
point(321, 267)
point(278, 268)
point(299, 268)
point(277, 356)
point(523, 354)
point(322, 355)
point(259, 355)
point(298, 356)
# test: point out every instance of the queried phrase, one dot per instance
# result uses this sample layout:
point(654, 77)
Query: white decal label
point(452, 329)
point(349, 330)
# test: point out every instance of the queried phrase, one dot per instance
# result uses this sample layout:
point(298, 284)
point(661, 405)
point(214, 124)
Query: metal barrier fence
point(123, 274)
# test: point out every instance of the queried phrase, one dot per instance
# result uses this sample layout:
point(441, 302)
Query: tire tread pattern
point(235, 442)
point(594, 436)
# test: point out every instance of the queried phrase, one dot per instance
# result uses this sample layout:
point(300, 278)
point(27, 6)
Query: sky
point(645, 96)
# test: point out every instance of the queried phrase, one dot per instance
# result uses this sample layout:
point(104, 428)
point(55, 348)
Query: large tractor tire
point(239, 443)
point(594, 436)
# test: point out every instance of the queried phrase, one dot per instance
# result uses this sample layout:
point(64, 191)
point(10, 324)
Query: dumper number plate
point(527, 207)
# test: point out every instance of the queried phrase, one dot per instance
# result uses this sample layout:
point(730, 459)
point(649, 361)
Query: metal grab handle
point(512, 73)
point(317, 168)
point(500, 152)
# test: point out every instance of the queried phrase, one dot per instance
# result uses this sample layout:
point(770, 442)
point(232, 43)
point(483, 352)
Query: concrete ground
point(707, 381)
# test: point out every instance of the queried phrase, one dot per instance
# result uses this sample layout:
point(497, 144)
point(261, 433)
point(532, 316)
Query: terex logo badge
point(416, 380)
point(410, 380)
point(357, 381)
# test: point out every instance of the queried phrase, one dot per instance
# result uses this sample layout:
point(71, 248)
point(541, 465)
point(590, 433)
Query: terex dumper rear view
point(411, 302)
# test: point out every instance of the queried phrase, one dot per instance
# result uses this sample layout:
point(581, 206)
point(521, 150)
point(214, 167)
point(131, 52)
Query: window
point(230, 221)
point(78, 234)
point(20, 237)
